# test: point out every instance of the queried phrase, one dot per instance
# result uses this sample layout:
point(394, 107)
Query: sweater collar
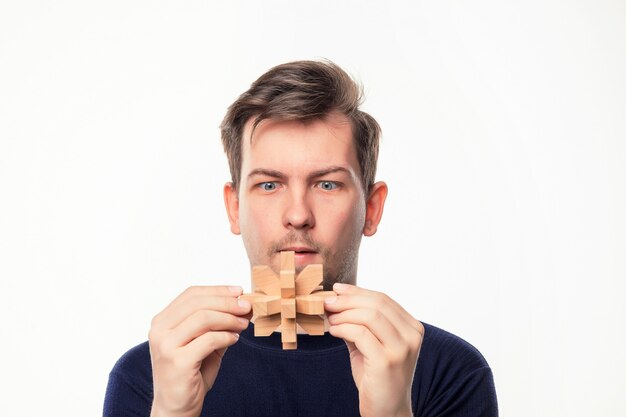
point(305, 342)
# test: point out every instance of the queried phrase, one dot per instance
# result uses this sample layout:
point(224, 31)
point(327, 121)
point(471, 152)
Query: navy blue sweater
point(258, 378)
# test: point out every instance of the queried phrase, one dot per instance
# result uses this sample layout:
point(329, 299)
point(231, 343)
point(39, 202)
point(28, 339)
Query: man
point(302, 158)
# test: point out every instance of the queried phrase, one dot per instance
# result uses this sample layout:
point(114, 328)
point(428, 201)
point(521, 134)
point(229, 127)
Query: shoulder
point(134, 363)
point(440, 346)
point(451, 374)
point(130, 383)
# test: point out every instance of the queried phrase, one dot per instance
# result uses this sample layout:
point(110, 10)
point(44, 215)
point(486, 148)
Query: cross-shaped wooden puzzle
point(285, 302)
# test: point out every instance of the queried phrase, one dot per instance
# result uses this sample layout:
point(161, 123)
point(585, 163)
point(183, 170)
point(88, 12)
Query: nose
point(298, 212)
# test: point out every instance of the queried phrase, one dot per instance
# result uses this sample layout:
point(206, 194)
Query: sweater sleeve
point(453, 379)
point(129, 390)
point(474, 395)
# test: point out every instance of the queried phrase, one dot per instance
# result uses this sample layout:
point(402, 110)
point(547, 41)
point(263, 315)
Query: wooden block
point(288, 330)
point(290, 346)
point(263, 305)
point(288, 274)
point(288, 308)
point(287, 284)
point(313, 303)
point(251, 297)
point(309, 304)
point(309, 279)
point(324, 294)
point(266, 325)
point(282, 301)
point(266, 305)
point(312, 324)
point(265, 280)
point(288, 261)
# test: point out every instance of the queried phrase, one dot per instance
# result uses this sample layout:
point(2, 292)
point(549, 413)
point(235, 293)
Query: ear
point(374, 208)
point(231, 201)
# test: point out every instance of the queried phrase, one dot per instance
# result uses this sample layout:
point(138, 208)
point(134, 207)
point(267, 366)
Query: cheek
point(257, 221)
point(346, 222)
point(250, 220)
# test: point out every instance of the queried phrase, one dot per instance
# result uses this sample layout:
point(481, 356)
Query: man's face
point(301, 190)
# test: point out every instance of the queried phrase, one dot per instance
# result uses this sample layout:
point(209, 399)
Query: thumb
point(351, 348)
point(210, 367)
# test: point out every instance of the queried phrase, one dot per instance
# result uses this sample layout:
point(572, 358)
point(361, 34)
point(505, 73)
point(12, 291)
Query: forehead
point(298, 147)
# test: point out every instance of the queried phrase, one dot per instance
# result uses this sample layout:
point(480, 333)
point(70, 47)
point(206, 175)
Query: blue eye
point(328, 185)
point(268, 186)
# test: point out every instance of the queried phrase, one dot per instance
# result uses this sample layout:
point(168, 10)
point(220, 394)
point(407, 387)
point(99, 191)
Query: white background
point(504, 150)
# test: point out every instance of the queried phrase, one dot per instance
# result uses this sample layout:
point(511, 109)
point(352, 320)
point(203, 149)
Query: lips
point(299, 249)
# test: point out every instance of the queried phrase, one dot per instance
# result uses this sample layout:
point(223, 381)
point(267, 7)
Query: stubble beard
point(339, 266)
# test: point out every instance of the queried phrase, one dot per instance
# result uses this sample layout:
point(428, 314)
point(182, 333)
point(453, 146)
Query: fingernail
point(236, 336)
point(242, 320)
point(339, 286)
point(330, 300)
point(243, 303)
point(235, 290)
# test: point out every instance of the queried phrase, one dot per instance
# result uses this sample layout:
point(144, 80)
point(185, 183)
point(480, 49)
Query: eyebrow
point(266, 172)
point(330, 170)
point(315, 174)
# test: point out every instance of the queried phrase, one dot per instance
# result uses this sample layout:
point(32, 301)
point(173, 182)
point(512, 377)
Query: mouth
point(304, 256)
point(300, 250)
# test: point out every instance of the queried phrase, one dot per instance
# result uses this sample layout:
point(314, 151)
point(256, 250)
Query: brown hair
point(304, 91)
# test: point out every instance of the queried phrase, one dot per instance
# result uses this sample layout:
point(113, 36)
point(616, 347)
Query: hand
point(187, 342)
point(384, 342)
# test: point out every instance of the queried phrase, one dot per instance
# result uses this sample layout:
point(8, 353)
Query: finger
point(374, 321)
point(210, 367)
point(207, 291)
point(204, 321)
point(175, 314)
point(351, 347)
point(221, 352)
point(350, 296)
point(203, 292)
point(202, 346)
point(362, 338)
point(380, 303)
point(353, 290)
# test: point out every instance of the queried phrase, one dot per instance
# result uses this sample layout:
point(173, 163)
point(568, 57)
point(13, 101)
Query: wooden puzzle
point(285, 302)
